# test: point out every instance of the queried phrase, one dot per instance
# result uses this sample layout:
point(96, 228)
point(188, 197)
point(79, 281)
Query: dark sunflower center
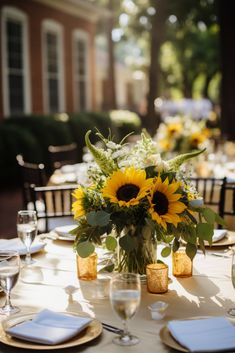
point(195, 141)
point(160, 202)
point(127, 192)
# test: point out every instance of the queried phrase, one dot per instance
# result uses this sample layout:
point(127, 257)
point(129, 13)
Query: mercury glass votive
point(87, 267)
point(157, 278)
point(182, 265)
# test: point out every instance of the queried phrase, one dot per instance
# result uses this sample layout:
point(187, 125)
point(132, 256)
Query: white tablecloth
point(209, 292)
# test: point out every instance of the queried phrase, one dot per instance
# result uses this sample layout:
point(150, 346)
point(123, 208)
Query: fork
point(112, 328)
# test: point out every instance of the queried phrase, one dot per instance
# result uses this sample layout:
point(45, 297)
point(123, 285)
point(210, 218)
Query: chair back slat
point(212, 190)
point(229, 200)
point(30, 174)
point(56, 203)
point(62, 155)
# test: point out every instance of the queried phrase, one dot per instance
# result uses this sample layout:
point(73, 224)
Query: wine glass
point(125, 293)
point(27, 231)
point(9, 273)
point(231, 311)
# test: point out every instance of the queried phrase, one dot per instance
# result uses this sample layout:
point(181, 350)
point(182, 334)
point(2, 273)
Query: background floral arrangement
point(182, 134)
point(137, 199)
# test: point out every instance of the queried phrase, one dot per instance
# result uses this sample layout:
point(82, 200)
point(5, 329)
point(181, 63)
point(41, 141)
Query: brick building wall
point(36, 13)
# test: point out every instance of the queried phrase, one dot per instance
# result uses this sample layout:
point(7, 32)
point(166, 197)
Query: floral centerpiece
point(136, 200)
point(182, 134)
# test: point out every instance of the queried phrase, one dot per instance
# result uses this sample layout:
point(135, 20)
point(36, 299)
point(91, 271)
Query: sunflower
point(166, 144)
point(78, 205)
point(165, 206)
point(197, 138)
point(174, 128)
point(127, 187)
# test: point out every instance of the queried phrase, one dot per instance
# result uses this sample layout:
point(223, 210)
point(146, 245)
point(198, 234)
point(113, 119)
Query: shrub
point(125, 121)
point(46, 130)
point(15, 140)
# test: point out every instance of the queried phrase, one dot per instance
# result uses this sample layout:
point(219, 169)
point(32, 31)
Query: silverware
point(112, 328)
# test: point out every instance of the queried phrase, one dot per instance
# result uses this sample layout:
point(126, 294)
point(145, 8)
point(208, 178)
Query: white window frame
point(49, 25)
point(9, 12)
point(81, 35)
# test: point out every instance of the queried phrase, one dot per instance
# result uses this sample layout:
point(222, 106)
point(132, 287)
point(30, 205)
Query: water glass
point(9, 273)
point(27, 231)
point(125, 291)
point(231, 311)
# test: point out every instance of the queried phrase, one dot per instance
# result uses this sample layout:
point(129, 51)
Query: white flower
point(157, 161)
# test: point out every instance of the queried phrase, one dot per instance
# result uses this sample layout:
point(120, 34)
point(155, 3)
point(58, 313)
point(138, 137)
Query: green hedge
point(46, 130)
point(31, 135)
point(15, 140)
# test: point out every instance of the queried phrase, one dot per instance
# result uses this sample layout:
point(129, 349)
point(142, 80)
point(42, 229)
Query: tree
point(227, 23)
point(157, 36)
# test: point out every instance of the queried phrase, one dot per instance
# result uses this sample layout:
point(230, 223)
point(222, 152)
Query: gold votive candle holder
point(157, 278)
point(182, 265)
point(87, 267)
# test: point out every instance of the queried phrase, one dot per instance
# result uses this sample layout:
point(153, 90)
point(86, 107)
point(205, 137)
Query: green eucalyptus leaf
point(85, 249)
point(209, 215)
point(74, 231)
point(127, 243)
point(192, 235)
point(191, 250)
point(166, 251)
point(176, 245)
point(107, 268)
point(111, 243)
point(98, 218)
point(205, 231)
point(202, 246)
point(220, 220)
point(168, 239)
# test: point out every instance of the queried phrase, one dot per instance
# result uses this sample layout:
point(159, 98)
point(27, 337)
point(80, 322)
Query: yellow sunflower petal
point(164, 202)
point(127, 187)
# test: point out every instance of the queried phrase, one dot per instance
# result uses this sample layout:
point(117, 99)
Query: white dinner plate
point(63, 232)
point(17, 245)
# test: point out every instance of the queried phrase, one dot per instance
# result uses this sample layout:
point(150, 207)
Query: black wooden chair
point(229, 200)
point(57, 201)
point(62, 155)
point(212, 190)
point(30, 174)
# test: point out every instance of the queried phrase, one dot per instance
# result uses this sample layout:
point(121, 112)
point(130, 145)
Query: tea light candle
point(157, 278)
point(182, 265)
point(87, 267)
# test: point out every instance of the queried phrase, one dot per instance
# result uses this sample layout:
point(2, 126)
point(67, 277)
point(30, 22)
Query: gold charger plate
point(229, 239)
point(169, 340)
point(88, 334)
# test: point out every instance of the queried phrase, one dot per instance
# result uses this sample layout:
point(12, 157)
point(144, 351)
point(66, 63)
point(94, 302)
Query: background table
point(209, 292)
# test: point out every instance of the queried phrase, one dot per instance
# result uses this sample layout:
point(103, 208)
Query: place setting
point(222, 237)
point(48, 330)
point(62, 233)
point(28, 242)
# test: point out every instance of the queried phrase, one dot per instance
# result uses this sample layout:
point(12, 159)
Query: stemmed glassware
point(231, 311)
point(125, 293)
point(27, 231)
point(9, 273)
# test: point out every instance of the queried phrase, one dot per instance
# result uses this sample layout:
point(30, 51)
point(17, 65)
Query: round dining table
point(52, 283)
